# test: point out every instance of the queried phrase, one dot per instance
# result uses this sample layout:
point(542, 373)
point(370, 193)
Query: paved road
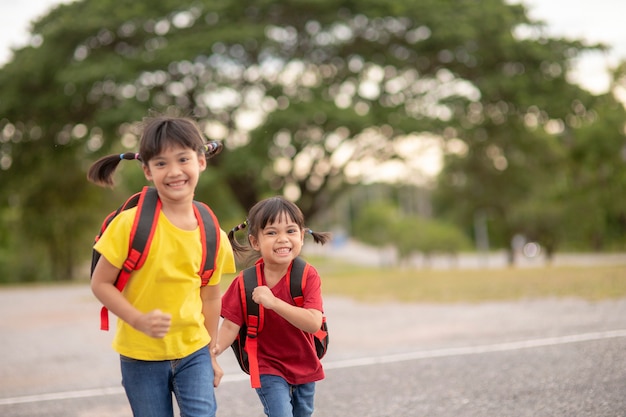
point(530, 358)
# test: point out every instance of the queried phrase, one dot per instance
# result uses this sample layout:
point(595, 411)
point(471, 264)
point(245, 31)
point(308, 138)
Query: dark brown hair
point(158, 133)
point(269, 211)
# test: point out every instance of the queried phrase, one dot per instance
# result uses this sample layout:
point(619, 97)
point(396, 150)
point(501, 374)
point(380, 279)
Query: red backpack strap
point(146, 218)
point(142, 231)
point(210, 233)
point(131, 202)
point(254, 316)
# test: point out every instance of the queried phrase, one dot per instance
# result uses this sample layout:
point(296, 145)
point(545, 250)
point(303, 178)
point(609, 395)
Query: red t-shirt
point(283, 349)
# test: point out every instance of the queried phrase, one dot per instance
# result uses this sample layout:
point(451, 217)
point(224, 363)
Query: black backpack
point(148, 208)
point(245, 345)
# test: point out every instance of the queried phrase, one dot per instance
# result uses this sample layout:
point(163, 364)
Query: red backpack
point(245, 345)
point(148, 208)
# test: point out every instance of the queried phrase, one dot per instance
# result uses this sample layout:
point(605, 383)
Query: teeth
point(283, 250)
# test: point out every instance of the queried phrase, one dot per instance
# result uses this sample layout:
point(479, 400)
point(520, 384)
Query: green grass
point(374, 284)
point(377, 284)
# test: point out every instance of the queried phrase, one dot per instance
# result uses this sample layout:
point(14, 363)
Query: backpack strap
point(131, 202)
point(297, 283)
point(297, 280)
point(254, 315)
point(210, 232)
point(144, 224)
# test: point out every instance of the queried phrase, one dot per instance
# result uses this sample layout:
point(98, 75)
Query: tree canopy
point(308, 97)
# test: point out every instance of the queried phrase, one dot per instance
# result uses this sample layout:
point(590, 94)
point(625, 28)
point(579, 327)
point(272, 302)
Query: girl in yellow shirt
point(166, 319)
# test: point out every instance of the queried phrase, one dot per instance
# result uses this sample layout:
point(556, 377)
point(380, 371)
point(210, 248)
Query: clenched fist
point(155, 323)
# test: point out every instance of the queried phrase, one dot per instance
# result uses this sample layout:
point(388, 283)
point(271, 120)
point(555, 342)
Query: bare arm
point(155, 323)
point(305, 319)
point(226, 336)
point(211, 308)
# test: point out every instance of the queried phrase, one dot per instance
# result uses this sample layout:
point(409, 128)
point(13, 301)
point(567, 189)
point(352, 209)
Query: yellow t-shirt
point(168, 281)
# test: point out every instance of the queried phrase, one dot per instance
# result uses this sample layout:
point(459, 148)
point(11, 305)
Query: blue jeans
point(149, 386)
point(281, 399)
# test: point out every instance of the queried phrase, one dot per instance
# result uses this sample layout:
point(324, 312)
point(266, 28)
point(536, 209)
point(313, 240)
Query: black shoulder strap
point(298, 276)
point(210, 233)
point(297, 280)
point(132, 201)
point(148, 208)
point(250, 278)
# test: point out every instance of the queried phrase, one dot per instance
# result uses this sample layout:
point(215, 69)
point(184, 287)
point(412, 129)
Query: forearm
point(211, 308)
point(305, 319)
point(211, 322)
point(103, 287)
point(115, 302)
point(226, 336)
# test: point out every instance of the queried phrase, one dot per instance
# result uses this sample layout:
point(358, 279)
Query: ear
point(146, 172)
point(254, 242)
point(202, 162)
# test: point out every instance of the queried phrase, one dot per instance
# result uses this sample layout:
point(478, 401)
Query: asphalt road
point(530, 358)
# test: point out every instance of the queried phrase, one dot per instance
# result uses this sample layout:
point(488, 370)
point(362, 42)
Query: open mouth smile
point(177, 184)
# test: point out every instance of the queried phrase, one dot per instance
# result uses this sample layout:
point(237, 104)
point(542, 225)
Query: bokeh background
point(417, 128)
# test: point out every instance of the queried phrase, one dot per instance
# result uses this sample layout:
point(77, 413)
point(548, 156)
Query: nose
point(174, 170)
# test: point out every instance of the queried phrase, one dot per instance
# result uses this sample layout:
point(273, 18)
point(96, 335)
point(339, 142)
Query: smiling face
point(279, 242)
point(175, 172)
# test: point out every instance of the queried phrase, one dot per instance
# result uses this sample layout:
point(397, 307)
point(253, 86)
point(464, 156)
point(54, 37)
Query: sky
point(594, 21)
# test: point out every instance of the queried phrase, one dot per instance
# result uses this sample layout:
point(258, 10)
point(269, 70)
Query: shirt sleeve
point(113, 244)
point(225, 263)
point(312, 292)
point(231, 303)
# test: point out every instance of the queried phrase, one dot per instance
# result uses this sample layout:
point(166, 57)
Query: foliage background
point(313, 100)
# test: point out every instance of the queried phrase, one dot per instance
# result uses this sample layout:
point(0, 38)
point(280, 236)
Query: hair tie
point(239, 226)
point(211, 146)
point(309, 231)
point(130, 156)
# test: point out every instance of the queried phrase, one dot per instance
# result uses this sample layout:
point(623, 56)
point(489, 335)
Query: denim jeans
point(149, 386)
point(281, 399)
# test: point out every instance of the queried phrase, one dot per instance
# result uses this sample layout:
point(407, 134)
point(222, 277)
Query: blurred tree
point(414, 234)
point(374, 224)
point(595, 215)
point(382, 224)
point(541, 221)
point(508, 146)
point(309, 97)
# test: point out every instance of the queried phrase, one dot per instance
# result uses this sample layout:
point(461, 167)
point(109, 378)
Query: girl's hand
point(262, 295)
point(216, 350)
point(218, 373)
point(155, 323)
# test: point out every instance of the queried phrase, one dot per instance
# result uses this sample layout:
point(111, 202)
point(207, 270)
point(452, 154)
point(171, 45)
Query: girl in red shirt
point(288, 363)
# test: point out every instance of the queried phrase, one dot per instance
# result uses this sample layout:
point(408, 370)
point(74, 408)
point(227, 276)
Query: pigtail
point(320, 237)
point(238, 248)
point(212, 148)
point(101, 171)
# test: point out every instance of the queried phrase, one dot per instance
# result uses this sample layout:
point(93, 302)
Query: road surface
point(529, 358)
